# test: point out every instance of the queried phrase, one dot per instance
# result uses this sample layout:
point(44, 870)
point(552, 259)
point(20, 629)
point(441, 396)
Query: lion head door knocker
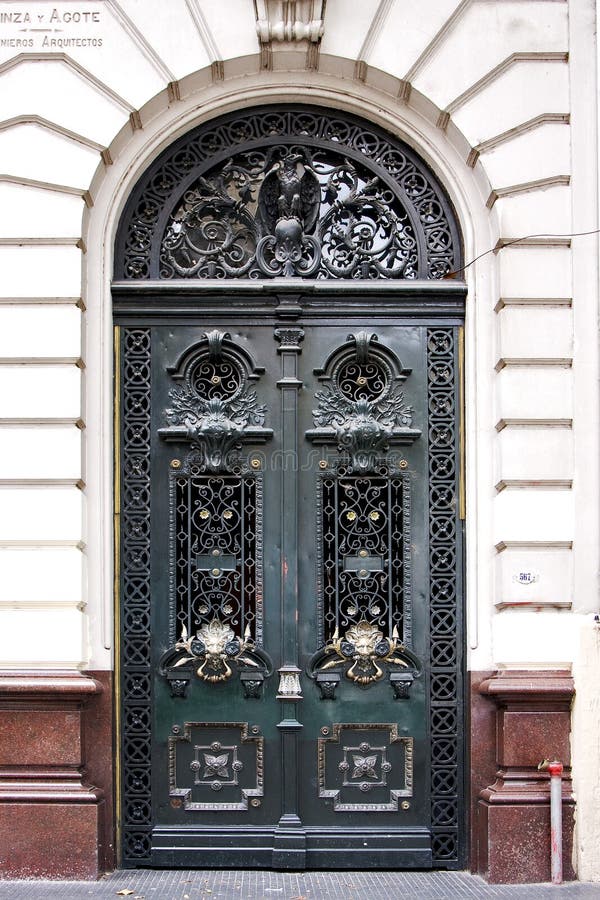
point(213, 653)
point(363, 655)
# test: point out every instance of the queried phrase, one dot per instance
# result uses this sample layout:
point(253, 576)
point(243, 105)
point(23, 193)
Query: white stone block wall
point(500, 97)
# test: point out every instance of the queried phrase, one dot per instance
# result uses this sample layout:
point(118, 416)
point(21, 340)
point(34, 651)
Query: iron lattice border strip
point(135, 586)
point(446, 693)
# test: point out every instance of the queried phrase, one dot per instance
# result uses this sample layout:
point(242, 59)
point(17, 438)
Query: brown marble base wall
point(98, 740)
point(55, 779)
point(482, 754)
point(531, 716)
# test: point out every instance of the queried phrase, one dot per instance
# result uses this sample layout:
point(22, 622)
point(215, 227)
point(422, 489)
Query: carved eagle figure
point(290, 190)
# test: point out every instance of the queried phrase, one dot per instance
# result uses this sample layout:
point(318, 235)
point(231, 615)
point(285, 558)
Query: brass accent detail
point(176, 802)
point(214, 651)
point(215, 646)
point(215, 572)
point(374, 515)
point(209, 770)
point(363, 573)
point(363, 765)
point(255, 801)
point(325, 730)
point(322, 463)
point(351, 515)
point(405, 804)
point(215, 379)
point(255, 729)
point(403, 464)
point(366, 646)
point(363, 553)
point(255, 463)
point(175, 463)
point(216, 552)
point(227, 514)
point(204, 514)
point(361, 380)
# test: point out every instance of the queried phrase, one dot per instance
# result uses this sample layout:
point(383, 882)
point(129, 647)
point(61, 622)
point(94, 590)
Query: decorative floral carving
point(361, 407)
point(363, 428)
point(214, 427)
point(214, 406)
point(216, 765)
point(364, 766)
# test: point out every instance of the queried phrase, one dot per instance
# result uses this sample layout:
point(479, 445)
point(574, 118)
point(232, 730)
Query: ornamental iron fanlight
point(288, 193)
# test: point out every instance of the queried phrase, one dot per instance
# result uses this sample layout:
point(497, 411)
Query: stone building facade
point(498, 99)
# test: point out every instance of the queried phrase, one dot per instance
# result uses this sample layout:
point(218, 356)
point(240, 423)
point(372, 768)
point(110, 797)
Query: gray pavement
point(144, 884)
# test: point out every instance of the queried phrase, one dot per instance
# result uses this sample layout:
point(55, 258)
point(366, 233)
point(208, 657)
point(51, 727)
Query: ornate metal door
point(290, 538)
point(291, 489)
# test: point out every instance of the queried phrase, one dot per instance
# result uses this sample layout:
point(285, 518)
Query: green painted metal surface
point(329, 505)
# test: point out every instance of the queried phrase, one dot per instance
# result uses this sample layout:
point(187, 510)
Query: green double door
point(290, 580)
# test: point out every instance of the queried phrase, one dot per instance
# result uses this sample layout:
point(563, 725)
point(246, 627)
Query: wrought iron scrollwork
point(214, 409)
point(289, 193)
point(361, 408)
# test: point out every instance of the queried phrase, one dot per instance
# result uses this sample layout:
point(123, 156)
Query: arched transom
point(288, 192)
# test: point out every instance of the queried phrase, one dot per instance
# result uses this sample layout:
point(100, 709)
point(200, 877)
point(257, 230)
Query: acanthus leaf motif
point(363, 427)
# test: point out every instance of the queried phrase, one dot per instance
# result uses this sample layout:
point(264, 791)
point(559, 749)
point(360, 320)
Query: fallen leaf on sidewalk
point(124, 893)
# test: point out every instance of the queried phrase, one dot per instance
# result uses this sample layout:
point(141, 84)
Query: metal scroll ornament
point(279, 214)
point(214, 427)
point(213, 653)
point(361, 408)
point(214, 409)
point(363, 654)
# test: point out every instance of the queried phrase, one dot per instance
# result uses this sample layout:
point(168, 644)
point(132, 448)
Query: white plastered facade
point(500, 99)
